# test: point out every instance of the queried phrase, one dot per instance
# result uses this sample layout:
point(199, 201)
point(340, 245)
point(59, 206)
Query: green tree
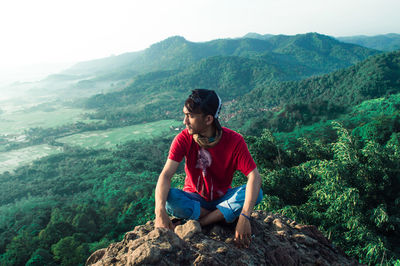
point(70, 251)
point(41, 257)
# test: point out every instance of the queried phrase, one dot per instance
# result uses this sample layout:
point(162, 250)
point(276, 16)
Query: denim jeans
point(187, 205)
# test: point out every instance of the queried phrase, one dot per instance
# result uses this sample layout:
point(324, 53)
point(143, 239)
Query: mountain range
point(384, 42)
point(231, 67)
point(269, 69)
point(177, 53)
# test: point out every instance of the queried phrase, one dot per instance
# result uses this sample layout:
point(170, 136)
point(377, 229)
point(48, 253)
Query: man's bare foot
point(177, 221)
point(212, 217)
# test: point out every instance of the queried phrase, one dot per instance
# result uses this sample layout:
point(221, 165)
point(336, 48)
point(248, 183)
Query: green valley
point(110, 138)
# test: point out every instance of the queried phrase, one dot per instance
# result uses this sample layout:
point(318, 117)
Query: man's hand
point(243, 232)
point(162, 220)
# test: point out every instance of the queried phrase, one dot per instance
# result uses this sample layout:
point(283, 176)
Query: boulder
point(276, 240)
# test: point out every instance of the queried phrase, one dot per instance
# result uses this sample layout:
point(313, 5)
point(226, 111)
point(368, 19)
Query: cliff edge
point(277, 241)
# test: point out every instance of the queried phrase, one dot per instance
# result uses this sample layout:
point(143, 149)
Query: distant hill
point(386, 42)
point(371, 78)
point(173, 53)
point(318, 50)
point(103, 65)
point(254, 35)
point(329, 95)
point(178, 53)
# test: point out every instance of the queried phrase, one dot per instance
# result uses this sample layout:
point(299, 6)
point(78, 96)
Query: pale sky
point(56, 31)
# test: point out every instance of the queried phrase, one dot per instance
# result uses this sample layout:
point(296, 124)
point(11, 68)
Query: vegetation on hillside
point(350, 191)
point(346, 183)
point(317, 98)
point(63, 207)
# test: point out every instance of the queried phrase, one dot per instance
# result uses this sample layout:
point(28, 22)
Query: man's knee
point(241, 195)
point(173, 201)
point(180, 206)
point(233, 205)
point(173, 194)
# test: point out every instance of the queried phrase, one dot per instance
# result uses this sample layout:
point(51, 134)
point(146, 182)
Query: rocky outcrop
point(277, 241)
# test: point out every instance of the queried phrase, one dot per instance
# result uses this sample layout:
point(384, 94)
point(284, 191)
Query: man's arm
point(162, 190)
point(243, 227)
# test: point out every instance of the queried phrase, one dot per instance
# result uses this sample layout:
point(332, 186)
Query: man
point(212, 155)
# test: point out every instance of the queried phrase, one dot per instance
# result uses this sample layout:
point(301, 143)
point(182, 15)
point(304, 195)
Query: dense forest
point(317, 98)
point(321, 119)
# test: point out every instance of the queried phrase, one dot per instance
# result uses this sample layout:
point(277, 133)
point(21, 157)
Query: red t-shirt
point(209, 172)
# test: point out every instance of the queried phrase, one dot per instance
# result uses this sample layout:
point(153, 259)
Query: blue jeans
point(187, 205)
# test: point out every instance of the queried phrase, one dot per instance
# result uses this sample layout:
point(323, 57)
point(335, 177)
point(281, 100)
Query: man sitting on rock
point(212, 155)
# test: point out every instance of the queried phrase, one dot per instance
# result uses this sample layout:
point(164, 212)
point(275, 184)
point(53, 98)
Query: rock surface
point(277, 241)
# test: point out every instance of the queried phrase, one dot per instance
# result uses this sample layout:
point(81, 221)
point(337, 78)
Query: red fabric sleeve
point(179, 147)
point(245, 162)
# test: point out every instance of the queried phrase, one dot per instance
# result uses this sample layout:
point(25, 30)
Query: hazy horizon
point(47, 32)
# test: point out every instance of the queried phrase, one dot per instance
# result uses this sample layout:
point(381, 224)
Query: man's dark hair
point(205, 102)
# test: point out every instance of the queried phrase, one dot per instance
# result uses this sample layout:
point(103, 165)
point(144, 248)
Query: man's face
point(195, 123)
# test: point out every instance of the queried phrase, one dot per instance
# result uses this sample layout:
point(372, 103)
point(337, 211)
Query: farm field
point(13, 159)
point(112, 137)
point(107, 139)
point(14, 124)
